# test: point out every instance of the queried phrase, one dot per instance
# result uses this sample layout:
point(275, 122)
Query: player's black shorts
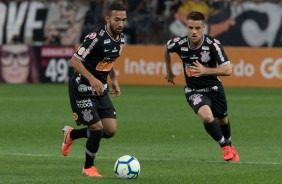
point(88, 109)
point(213, 97)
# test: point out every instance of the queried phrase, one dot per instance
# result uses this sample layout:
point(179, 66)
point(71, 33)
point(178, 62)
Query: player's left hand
point(198, 69)
point(115, 89)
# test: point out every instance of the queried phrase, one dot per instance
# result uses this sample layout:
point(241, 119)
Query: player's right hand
point(170, 78)
point(96, 86)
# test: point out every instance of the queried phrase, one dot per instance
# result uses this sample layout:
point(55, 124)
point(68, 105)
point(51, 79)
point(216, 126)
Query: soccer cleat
point(235, 157)
point(227, 153)
point(67, 140)
point(91, 172)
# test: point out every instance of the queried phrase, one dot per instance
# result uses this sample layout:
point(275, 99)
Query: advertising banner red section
point(252, 67)
point(54, 64)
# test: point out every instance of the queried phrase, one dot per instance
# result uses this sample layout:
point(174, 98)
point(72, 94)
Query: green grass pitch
point(155, 125)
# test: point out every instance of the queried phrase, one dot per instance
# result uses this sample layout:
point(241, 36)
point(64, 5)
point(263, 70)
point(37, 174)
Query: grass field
point(155, 125)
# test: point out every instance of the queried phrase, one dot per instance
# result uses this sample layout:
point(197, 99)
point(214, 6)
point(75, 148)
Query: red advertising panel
point(54, 63)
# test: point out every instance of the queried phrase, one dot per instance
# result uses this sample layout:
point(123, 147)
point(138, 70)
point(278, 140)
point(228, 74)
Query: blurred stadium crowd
point(149, 21)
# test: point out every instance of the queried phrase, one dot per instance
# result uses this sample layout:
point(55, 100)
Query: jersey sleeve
point(172, 45)
point(89, 44)
point(219, 53)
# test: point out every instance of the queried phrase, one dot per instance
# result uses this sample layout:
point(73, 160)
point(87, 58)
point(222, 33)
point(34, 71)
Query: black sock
point(79, 133)
point(226, 131)
point(92, 146)
point(214, 131)
point(106, 136)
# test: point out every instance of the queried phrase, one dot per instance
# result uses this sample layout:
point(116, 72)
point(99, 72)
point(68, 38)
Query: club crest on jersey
point(87, 116)
point(205, 56)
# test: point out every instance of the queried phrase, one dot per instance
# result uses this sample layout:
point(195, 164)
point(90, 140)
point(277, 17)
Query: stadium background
point(251, 32)
point(155, 124)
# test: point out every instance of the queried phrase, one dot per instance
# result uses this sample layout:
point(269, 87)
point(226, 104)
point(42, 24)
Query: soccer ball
point(127, 167)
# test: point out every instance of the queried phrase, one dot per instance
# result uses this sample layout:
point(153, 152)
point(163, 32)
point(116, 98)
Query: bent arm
point(199, 70)
point(223, 70)
point(96, 85)
point(77, 65)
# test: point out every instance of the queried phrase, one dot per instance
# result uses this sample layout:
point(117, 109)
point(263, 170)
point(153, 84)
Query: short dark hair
point(195, 15)
point(115, 6)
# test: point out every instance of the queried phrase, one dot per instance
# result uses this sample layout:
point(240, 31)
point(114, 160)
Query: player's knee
point(109, 134)
point(208, 118)
point(96, 126)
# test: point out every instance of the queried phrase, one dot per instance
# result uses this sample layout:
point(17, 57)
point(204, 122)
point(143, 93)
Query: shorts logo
point(75, 116)
point(84, 103)
point(87, 116)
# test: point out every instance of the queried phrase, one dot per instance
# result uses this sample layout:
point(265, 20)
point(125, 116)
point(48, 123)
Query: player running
point(88, 88)
point(203, 61)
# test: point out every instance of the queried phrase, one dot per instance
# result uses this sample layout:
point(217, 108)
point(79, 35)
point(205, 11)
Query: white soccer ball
point(127, 167)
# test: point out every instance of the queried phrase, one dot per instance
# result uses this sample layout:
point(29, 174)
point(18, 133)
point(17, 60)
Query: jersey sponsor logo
point(168, 42)
point(182, 56)
point(92, 36)
point(115, 50)
point(170, 46)
point(182, 41)
point(205, 48)
point(194, 57)
point(205, 56)
point(176, 39)
point(106, 50)
point(81, 51)
point(107, 41)
point(93, 43)
point(102, 32)
point(87, 116)
point(83, 103)
point(208, 40)
point(104, 66)
point(184, 49)
point(219, 52)
point(85, 53)
point(188, 71)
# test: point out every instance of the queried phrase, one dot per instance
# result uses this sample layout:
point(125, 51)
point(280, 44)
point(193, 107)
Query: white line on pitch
point(144, 158)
